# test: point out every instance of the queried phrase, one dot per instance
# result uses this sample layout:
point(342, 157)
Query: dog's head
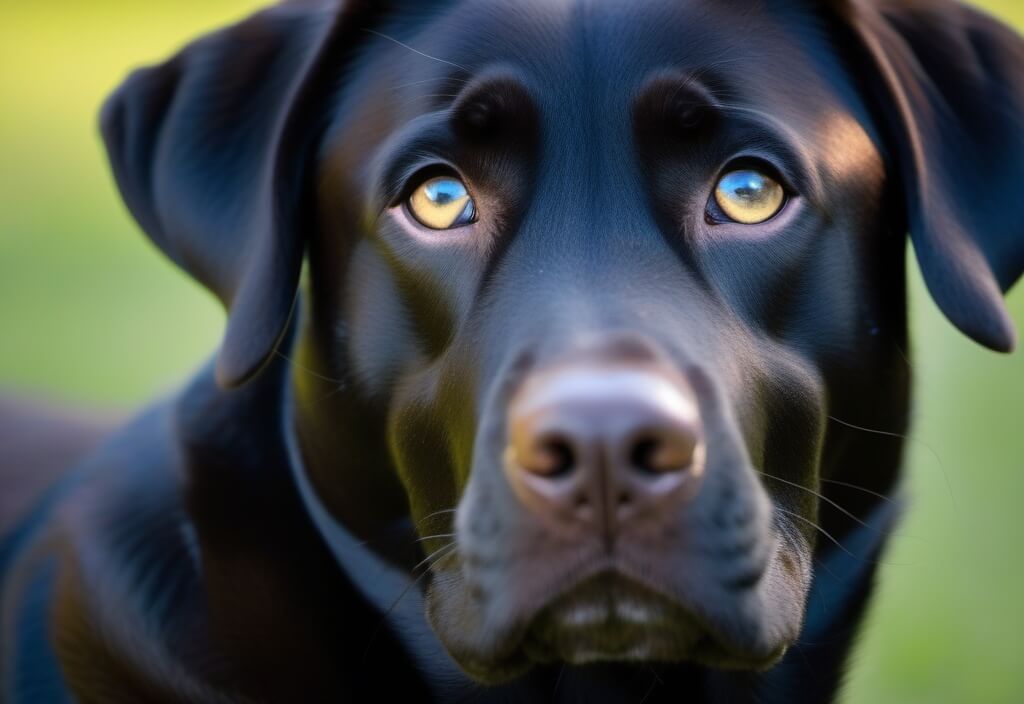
point(608, 285)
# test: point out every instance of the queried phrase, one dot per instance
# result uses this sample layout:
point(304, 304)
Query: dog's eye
point(749, 197)
point(442, 203)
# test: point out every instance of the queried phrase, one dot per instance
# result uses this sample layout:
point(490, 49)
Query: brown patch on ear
point(948, 85)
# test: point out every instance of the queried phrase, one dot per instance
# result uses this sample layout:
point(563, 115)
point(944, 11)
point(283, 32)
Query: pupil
point(751, 190)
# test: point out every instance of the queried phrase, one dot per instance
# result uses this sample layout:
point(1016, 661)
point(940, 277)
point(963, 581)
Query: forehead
point(586, 64)
point(596, 54)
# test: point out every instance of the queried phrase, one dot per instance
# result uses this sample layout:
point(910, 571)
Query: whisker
point(558, 680)
point(435, 513)
point(650, 690)
point(819, 528)
point(437, 557)
point(848, 485)
point(886, 433)
point(922, 443)
point(432, 537)
point(330, 394)
point(903, 354)
point(655, 673)
point(794, 538)
point(427, 559)
point(786, 530)
point(307, 370)
point(415, 51)
point(820, 496)
point(374, 541)
point(840, 545)
point(845, 512)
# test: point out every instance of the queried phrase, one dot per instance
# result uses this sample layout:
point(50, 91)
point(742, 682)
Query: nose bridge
point(595, 267)
point(571, 282)
point(587, 252)
point(589, 182)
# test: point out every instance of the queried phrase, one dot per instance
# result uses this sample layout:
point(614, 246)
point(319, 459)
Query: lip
point(611, 617)
point(606, 608)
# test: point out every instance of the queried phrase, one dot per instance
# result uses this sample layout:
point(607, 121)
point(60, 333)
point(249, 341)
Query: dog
point(554, 329)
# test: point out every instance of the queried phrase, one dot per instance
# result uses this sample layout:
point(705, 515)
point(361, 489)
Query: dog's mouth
point(624, 522)
point(574, 603)
point(610, 617)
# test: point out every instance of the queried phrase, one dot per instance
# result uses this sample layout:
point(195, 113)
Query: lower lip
point(607, 612)
point(610, 640)
point(616, 622)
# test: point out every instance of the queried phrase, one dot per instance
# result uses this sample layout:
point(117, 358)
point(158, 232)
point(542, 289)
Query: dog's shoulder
point(177, 561)
point(101, 558)
point(39, 443)
point(106, 583)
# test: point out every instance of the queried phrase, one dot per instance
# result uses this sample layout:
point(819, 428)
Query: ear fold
point(951, 94)
point(211, 152)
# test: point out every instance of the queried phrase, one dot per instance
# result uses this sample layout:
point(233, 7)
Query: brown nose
point(605, 445)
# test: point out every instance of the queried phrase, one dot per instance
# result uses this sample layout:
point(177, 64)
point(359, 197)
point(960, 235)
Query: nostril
point(553, 457)
point(659, 454)
point(642, 454)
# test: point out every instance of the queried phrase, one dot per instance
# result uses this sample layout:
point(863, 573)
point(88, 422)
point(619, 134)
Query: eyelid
point(758, 163)
point(408, 179)
point(404, 171)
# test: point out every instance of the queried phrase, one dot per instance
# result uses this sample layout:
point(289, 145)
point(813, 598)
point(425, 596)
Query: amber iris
point(749, 197)
point(442, 203)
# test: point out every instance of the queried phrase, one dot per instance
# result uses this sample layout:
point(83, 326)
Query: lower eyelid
point(768, 229)
point(420, 232)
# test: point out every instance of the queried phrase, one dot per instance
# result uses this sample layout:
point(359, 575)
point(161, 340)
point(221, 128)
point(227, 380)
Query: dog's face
point(610, 273)
point(610, 262)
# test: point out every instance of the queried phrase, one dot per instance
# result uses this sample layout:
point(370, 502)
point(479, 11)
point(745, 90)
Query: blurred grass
point(90, 313)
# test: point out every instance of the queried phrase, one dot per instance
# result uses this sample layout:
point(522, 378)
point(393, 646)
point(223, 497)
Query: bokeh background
point(92, 316)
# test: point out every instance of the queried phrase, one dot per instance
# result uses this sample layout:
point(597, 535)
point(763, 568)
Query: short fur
point(259, 535)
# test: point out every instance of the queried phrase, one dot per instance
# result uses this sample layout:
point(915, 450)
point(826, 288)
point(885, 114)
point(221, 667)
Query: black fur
point(257, 536)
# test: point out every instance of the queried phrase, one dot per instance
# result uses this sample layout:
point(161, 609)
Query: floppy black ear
point(211, 151)
point(950, 89)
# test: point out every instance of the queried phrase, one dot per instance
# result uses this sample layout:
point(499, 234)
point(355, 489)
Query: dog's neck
point(393, 591)
point(341, 437)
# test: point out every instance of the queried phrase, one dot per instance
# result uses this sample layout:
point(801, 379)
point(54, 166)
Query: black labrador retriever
point(554, 332)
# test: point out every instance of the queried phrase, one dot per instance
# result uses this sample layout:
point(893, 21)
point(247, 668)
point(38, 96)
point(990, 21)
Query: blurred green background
point(91, 315)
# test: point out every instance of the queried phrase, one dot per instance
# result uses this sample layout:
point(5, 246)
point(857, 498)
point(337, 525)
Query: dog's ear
point(948, 84)
point(212, 150)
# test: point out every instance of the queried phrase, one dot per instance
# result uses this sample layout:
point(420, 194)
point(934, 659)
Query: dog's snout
point(605, 444)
